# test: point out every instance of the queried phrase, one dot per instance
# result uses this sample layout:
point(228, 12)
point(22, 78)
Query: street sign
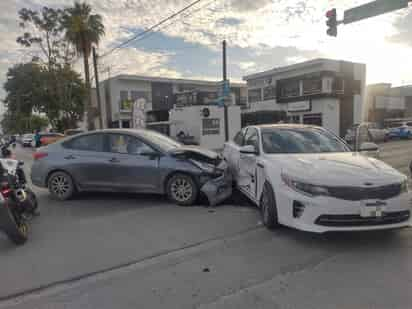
point(374, 8)
point(223, 93)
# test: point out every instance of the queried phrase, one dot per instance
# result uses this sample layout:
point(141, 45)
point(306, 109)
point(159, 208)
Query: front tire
point(182, 189)
point(268, 207)
point(61, 186)
point(15, 228)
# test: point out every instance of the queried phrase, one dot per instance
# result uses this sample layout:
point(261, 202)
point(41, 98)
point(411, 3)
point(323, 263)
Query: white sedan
point(307, 178)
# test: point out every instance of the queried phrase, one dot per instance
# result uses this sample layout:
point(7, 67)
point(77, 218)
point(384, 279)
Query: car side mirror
point(248, 149)
point(368, 147)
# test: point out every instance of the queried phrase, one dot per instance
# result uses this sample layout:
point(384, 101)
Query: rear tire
point(61, 186)
point(182, 189)
point(17, 232)
point(268, 207)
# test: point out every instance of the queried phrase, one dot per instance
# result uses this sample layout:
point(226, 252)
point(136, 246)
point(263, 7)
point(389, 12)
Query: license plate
point(373, 209)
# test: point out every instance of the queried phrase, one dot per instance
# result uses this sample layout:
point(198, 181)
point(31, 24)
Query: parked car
point(27, 140)
point(373, 133)
point(125, 160)
point(71, 132)
point(307, 178)
point(402, 129)
point(49, 138)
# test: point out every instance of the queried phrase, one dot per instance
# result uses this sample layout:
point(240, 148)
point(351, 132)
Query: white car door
point(231, 152)
point(247, 178)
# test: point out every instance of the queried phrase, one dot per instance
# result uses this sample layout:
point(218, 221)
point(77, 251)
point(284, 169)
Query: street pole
point(96, 78)
point(225, 104)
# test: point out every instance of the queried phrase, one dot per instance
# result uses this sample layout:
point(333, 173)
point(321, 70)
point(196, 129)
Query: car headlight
point(305, 188)
point(405, 186)
point(205, 167)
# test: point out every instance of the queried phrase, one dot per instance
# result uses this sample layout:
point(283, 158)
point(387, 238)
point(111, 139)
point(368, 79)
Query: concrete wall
point(330, 109)
point(190, 120)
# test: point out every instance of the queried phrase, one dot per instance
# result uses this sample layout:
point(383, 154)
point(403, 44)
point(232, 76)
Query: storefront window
point(338, 85)
point(312, 85)
point(255, 95)
point(293, 119)
point(269, 92)
point(314, 119)
point(125, 104)
point(289, 89)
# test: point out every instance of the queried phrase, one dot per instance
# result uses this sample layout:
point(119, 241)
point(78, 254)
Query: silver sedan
point(122, 160)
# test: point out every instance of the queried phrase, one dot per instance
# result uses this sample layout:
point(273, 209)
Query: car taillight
point(39, 155)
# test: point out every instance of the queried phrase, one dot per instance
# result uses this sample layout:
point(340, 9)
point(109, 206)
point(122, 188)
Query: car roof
point(124, 131)
point(284, 126)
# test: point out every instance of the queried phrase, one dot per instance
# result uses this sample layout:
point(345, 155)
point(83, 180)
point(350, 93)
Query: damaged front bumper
point(220, 188)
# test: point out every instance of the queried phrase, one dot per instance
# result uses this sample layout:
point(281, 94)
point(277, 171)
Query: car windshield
point(28, 136)
point(163, 142)
point(297, 140)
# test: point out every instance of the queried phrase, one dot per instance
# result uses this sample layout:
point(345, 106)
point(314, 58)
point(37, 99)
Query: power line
point(175, 21)
point(151, 28)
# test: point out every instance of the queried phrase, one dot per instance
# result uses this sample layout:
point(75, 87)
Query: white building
point(385, 102)
point(161, 94)
point(323, 92)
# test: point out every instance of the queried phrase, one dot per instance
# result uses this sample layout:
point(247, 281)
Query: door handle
point(114, 160)
point(70, 157)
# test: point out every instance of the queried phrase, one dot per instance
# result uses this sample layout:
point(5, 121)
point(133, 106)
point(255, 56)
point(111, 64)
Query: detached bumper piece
point(218, 189)
point(357, 220)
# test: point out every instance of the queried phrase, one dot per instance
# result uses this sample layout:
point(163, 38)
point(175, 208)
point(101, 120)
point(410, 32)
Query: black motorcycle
point(18, 204)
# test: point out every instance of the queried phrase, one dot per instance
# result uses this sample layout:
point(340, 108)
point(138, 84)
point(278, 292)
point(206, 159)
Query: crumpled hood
point(193, 152)
point(337, 169)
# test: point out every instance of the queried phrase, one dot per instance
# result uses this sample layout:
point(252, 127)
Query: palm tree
point(83, 30)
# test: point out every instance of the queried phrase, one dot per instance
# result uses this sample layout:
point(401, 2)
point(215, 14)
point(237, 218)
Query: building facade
point(386, 102)
point(323, 92)
point(160, 95)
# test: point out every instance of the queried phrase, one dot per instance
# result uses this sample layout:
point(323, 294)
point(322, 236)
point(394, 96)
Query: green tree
point(32, 88)
point(44, 31)
point(18, 124)
point(84, 30)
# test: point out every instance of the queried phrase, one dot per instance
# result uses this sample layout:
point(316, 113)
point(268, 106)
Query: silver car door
point(134, 165)
point(84, 158)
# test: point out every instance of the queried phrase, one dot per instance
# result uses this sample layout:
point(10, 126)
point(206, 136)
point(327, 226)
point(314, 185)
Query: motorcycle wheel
point(32, 201)
point(16, 229)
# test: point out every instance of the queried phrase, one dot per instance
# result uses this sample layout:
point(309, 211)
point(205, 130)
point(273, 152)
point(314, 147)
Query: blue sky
point(261, 34)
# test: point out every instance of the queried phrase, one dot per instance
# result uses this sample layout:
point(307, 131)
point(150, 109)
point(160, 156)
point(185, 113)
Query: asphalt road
point(134, 251)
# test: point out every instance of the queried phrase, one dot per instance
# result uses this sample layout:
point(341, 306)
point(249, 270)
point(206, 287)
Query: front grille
point(357, 220)
point(373, 193)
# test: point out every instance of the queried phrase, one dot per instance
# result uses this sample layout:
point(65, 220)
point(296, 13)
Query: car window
point(251, 138)
point(301, 141)
point(238, 140)
point(92, 142)
point(409, 124)
point(127, 144)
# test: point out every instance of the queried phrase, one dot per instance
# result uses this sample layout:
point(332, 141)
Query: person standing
point(37, 139)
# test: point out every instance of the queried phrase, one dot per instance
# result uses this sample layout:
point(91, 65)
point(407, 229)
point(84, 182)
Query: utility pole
point(96, 78)
point(225, 103)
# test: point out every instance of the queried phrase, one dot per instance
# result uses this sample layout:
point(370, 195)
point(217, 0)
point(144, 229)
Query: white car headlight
point(405, 186)
point(305, 188)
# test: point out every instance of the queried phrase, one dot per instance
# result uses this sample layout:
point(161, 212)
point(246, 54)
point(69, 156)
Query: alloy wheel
point(60, 185)
point(181, 190)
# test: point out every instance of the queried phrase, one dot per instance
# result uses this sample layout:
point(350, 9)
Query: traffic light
point(332, 23)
